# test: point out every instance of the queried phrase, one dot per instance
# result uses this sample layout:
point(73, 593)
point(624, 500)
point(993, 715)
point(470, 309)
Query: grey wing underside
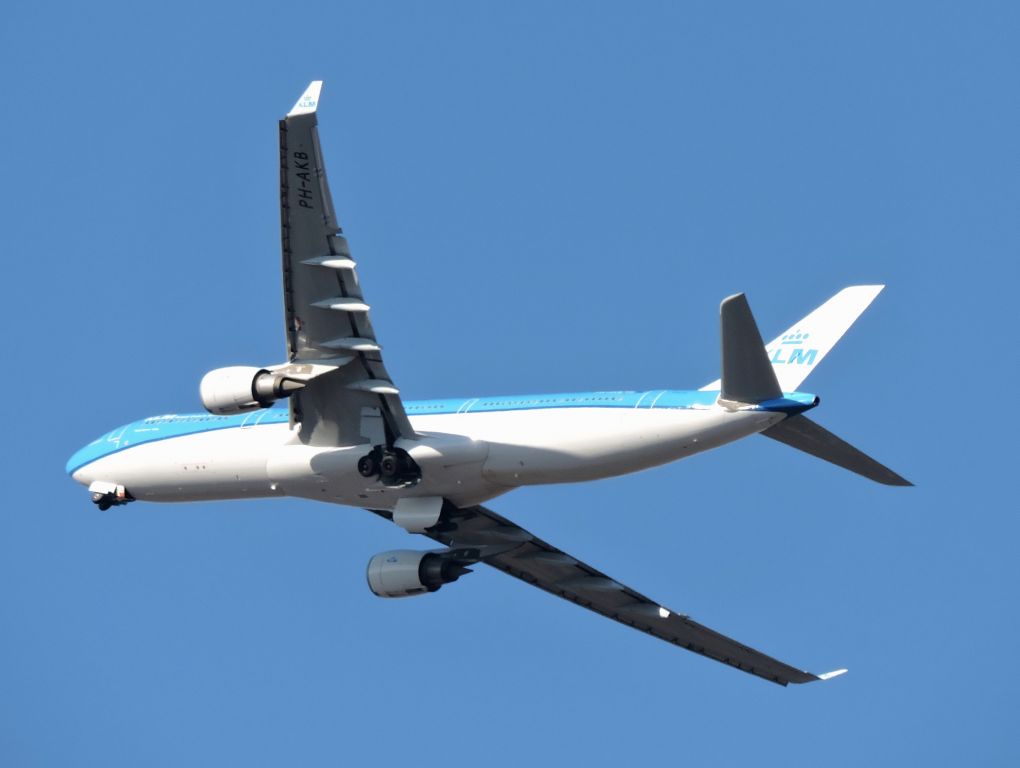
point(327, 318)
point(487, 537)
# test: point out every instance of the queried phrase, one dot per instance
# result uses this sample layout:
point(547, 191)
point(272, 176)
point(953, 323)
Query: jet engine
point(406, 572)
point(240, 388)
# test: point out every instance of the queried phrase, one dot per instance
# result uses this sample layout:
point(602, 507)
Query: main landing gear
point(392, 466)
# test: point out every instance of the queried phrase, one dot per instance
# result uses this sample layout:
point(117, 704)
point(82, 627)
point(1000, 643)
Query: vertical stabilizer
point(794, 354)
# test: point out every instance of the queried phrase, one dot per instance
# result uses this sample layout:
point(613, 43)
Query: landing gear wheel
point(105, 495)
point(368, 466)
point(389, 466)
point(392, 466)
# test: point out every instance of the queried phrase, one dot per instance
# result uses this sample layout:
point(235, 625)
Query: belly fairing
point(451, 467)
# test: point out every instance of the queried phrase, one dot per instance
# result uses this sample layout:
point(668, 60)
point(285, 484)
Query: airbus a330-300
point(344, 435)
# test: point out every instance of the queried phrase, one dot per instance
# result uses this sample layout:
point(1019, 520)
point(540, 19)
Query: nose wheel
point(106, 495)
point(102, 501)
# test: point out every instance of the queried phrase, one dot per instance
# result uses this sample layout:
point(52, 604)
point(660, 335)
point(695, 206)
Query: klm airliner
point(345, 436)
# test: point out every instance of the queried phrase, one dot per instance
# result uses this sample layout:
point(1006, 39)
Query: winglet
point(832, 674)
point(309, 100)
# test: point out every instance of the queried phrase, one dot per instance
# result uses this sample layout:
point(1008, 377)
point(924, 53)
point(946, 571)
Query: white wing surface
point(477, 534)
point(326, 313)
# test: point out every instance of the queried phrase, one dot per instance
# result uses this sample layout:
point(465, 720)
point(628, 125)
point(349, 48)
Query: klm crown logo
point(791, 350)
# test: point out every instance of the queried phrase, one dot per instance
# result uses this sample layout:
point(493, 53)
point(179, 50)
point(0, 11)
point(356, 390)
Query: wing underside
point(327, 318)
point(482, 535)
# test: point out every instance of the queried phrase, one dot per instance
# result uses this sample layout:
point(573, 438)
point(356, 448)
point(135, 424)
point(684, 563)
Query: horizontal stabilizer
point(803, 434)
point(747, 375)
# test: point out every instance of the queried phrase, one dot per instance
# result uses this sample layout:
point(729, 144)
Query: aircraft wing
point(484, 536)
point(327, 318)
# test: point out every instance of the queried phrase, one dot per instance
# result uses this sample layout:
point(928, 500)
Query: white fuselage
point(466, 457)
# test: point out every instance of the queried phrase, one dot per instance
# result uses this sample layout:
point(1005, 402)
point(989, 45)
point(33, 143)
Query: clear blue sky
point(540, 199)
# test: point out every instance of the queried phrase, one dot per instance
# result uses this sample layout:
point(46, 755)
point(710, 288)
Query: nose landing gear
point(393, 466)
point(106, 495)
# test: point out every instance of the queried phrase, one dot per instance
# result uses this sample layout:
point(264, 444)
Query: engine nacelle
point(406, 572)
point(240, 388)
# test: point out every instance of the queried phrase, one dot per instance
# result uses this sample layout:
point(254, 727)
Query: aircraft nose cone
point(77, 467)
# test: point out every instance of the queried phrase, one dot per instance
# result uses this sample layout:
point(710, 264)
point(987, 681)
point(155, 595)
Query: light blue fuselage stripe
point(166, 427)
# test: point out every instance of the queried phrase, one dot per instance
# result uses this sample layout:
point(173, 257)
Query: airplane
point(345, 436)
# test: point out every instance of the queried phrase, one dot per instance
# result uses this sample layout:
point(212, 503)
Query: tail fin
point(802, 433)
point(795, 353)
